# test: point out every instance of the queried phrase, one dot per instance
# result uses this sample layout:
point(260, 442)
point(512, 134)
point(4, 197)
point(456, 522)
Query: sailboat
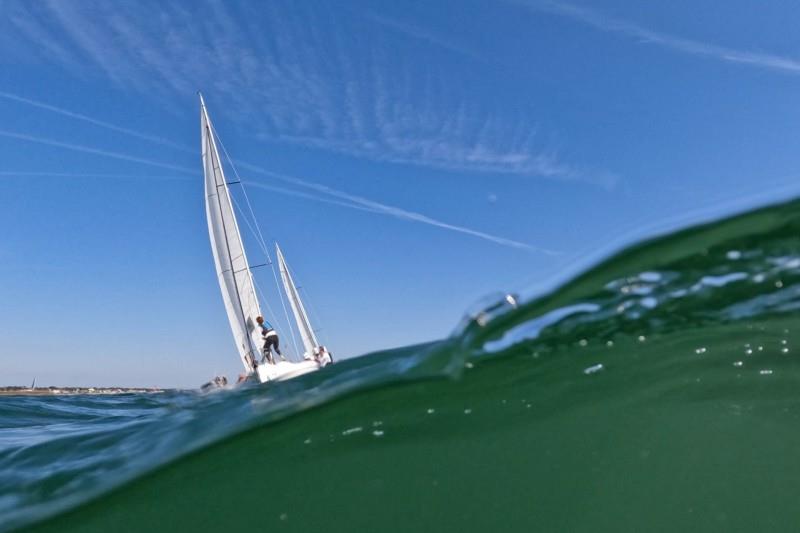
point(236, 278)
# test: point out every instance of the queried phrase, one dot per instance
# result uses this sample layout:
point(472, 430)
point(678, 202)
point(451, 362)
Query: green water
point(658, 391)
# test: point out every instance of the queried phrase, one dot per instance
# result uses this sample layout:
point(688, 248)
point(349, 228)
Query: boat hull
point(283, 370)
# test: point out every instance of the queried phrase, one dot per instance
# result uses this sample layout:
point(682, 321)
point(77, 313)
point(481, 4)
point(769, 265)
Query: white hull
point(283, 370)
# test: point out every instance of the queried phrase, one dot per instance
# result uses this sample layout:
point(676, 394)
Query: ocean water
point(657, 391)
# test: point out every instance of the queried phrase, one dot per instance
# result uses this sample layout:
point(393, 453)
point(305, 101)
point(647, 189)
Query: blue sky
point(409, 157)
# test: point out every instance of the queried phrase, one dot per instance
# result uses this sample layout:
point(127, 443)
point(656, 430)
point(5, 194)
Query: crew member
point(271, 340)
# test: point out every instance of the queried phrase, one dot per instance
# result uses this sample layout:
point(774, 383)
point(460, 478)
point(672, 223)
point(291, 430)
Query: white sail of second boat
point(310, 343)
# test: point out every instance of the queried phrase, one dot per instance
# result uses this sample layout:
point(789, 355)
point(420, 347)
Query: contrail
point(344, 199)
point(365, 204)
point(605, 23)
point(95, 151)
point(89, 175)
point(94, 121)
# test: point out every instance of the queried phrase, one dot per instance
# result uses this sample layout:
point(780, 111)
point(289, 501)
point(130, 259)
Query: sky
point(410, 158)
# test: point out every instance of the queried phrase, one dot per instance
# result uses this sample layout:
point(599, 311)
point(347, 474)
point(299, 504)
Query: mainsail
point(300, 316)
point(233, 270)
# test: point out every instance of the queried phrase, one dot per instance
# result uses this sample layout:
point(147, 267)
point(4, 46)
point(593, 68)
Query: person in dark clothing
point(271, 340)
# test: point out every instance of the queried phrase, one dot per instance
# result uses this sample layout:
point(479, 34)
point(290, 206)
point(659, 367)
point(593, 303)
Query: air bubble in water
point(592, 369)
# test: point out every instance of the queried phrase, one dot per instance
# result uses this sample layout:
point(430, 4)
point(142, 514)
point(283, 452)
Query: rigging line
point(299, 302)
point(259, 237)
point(285, 312)
point(252, 230)
point(315, 315)
point(277, 284)
point(247, 198)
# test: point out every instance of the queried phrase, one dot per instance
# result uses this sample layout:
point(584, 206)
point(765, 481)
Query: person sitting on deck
point(271, 340)
point(322, 355)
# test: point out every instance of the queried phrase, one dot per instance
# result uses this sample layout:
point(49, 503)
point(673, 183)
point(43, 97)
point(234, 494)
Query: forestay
point(300, 316)
point(233, 271)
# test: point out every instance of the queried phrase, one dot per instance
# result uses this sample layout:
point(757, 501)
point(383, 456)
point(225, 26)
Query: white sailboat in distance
point(236, 279)
point(313, 349)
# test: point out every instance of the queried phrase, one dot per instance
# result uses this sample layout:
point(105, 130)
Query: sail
point(303, 324)
point(233, 270)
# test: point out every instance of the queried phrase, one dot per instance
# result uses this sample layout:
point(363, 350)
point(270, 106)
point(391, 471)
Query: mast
point(303, 324)
point(233, 270)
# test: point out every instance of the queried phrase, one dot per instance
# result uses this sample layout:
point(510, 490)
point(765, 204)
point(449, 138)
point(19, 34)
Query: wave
point(628, 397)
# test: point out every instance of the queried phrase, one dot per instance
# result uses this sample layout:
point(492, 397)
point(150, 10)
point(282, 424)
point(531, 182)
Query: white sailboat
point(309, 338)
point(233, 270)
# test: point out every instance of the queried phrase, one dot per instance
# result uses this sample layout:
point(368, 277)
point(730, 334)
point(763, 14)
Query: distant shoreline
point(63, 391)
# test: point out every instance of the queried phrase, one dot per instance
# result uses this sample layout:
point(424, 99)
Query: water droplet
point(307, 441)
point(650, 277)
point(785, 350)
point(528, 406)
point(350, 431)
point(748, 352)
point(467, 411)
point(648, 302)
point(431, 411)
point(583, 342)
point(468, 365)
point(609, 343)
point(378, 433)
point(642, 338)
point(733, 255)
point(779, 284)
point(738, 363)
point(592, 369)
point(284, 516)
point(765, 372)
point(700, 350)
point(784, 341)
point(760, 348)
point(377, 423)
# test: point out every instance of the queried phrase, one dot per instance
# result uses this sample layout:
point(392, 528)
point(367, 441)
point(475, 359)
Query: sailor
point(270, 337)
point(323, 356)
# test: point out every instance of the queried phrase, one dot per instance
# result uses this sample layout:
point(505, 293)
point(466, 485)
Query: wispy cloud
point(93, 151)
point(305, 75)
point(365, 204)
point(96, 122)
point(324, 193)
point(88, 175)
point(610, 24)
point(424, 35)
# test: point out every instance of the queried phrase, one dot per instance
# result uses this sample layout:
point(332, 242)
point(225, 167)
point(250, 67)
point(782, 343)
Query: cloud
point(365, 204)
point(605, 23)
point(327, 194)
point(93, 151)
point(424, 35)
point(299, 74)
point(88, 175)
point(96, 122)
